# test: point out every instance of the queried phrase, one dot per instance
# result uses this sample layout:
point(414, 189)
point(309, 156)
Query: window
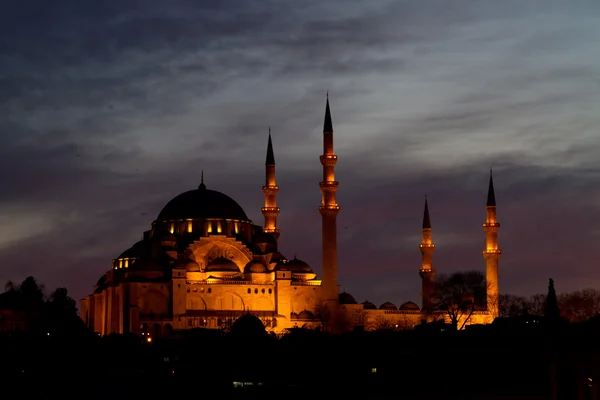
point(218, 226)
point(171, 227)
point(249, 291)
point(263, 291)
point(270, 291)
point(189, 226)
point(209, 227)
point(255, 291)
point(179, 285)
point(209, 290)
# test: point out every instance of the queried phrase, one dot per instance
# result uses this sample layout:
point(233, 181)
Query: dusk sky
point(108, 109)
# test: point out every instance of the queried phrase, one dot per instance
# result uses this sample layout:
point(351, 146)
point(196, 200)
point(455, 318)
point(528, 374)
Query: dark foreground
point(479, 364)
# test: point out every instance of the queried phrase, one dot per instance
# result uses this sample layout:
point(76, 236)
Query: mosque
point(204, 263)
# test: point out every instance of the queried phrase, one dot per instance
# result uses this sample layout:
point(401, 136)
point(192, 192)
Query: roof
point(202, 203)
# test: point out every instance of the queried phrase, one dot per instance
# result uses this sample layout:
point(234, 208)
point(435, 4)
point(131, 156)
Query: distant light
point(48, 333)
point(373, 370)
point(149, 339)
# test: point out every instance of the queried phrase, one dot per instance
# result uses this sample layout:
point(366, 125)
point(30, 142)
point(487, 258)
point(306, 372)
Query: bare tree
point(536, 304)
point(511, 305)
point(579, 305)
point(459, 295)
point(382, 323)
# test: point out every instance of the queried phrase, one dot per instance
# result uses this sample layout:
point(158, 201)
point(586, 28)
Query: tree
point(459, 295)
point(579, 305)
point(536, 304)
point(511, 305)
point(551, 310)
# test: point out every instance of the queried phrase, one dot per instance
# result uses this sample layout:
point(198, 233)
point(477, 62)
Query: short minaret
point(426, 271)
point(492, 253)
point(270, 211)
point(329, 209)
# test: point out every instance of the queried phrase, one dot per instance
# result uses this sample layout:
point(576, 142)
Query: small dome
point(409, 305)
point(222, 264)
point(306, 315)
point(299, 266)
point(192, 266)
point(388, 306)
point(346, 298)
point(367, 305)
point(255, 267)
point(146, 264)
point(293, 316)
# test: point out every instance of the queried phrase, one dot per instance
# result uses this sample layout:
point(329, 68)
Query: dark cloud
point(109, 109)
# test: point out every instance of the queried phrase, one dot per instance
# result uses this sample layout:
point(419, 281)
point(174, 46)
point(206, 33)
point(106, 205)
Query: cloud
point(109, 109)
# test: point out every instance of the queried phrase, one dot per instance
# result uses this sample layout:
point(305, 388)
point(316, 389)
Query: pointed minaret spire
point(270, 211)
point(327, 125)
point(491, 197)
point(202, 185)
point(426, 220)
point(329, 210)
point(270, 155)
point(427, 272)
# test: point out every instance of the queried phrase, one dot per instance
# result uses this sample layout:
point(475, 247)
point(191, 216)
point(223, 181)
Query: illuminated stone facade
point(204, 263)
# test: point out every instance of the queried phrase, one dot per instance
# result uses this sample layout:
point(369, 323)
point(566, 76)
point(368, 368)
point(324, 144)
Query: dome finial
point(202, 185)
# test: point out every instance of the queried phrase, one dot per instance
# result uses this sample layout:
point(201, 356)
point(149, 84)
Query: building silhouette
point(204, 263)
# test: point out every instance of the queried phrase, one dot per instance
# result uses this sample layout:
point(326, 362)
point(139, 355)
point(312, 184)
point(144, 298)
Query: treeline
point(576, 306)
point(27, 308)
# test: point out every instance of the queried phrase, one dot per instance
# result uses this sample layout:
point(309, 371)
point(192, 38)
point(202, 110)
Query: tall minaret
point(492, 253)
point(426, 271)
point(329, 210)
point(270, 211)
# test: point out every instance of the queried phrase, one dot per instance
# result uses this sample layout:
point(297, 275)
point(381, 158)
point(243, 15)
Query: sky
point(109, 109)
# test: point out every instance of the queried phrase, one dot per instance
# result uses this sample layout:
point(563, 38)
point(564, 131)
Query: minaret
point(329, 210)
point(270, 211)
point(426, 271)
point(492, 253)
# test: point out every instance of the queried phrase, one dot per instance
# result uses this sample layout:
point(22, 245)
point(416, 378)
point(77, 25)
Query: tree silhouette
point(551, 309)
point(459, 295)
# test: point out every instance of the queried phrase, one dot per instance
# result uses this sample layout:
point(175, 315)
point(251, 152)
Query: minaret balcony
point(329, 209)
point(427, 245)
point(270, 189)
point(491, 224)
point(270, 211)
point(328, 160)
point(329, 186)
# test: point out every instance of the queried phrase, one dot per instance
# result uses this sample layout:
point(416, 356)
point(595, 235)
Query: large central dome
point(203, 204)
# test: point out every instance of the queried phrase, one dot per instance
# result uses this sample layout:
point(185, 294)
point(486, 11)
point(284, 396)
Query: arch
point(214, 248)
point(115, 311)
point(262, 303)
point(167, 330)
point(196, 303)
point(229, 301)
point(300, 302)
point(145, 329)
point(154, 302)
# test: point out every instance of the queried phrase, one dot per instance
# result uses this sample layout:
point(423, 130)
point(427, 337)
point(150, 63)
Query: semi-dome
point(192, 266)
point(202, 203)
point(409, 306)
point(388, 306)
point(299, 266)
point(346, 298)
point(367, 305)
point(255, 267)
point(222, 264)
point(135, 251)
point(146, 264)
